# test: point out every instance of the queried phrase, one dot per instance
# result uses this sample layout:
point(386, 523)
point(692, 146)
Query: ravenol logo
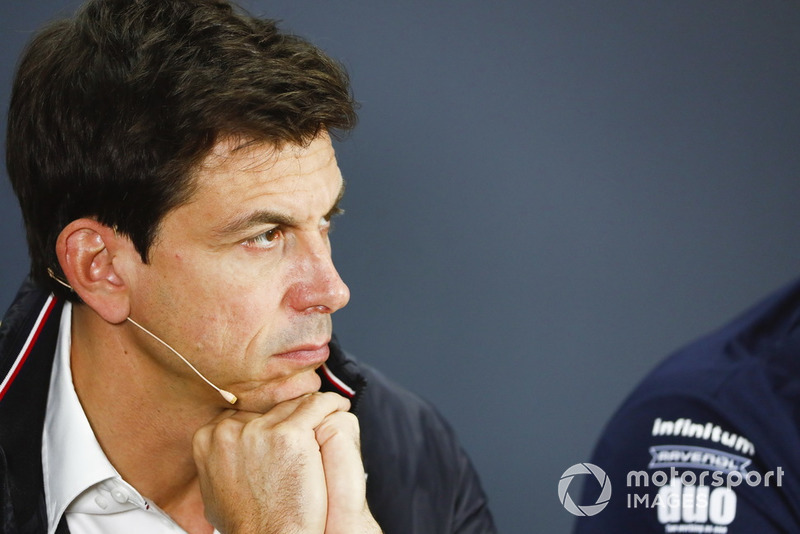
point(584, 469)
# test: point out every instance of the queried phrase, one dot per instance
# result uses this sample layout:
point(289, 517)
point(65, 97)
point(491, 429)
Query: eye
point(264, 240)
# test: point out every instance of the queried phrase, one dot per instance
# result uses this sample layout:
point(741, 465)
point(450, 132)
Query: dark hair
point(111, 111)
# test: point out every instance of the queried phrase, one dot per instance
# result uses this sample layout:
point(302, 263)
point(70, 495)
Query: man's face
point(240, 279)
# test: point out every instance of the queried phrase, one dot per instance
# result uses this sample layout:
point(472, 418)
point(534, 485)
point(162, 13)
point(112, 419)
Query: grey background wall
point(544, 199)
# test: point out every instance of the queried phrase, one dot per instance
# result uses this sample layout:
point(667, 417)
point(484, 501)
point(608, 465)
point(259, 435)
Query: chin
point(263, 399)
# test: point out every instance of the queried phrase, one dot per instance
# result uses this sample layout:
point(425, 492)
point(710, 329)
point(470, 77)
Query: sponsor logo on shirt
point(684, 508)
point(706, 431)
point(697, 458)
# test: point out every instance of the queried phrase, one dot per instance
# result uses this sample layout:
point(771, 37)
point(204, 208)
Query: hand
point(340, 446)
point(296, 468)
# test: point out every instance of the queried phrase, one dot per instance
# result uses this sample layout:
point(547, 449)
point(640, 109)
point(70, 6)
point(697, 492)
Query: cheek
point(239, 315)
point(219, 303)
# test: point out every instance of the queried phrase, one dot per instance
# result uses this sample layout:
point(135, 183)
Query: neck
point(143, 415)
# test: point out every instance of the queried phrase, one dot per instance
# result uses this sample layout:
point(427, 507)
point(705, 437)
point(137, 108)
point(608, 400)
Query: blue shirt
point(710, 440)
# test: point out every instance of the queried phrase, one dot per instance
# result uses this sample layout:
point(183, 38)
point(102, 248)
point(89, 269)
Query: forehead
point(240, 186)
point(237, 172)
point(234, 162)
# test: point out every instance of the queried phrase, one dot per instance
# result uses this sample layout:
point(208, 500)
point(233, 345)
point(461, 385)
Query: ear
point(92, 255)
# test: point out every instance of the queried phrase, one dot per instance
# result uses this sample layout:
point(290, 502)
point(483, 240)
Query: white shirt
point(78, 478)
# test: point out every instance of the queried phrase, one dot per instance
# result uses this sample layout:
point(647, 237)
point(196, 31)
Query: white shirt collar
point(78, 478)
point(72, 459)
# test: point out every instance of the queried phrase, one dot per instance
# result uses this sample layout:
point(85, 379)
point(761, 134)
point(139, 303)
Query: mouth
point(306, 355)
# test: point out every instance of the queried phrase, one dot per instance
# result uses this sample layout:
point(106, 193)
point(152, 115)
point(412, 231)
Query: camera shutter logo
point(590, 509)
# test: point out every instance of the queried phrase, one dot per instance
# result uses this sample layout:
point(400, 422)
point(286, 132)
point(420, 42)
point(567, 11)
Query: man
point(709, 441)
point(169, 365)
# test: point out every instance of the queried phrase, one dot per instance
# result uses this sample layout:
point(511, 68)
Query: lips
point(307, 355)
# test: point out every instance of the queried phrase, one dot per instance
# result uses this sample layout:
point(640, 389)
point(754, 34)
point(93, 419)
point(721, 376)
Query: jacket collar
point(27, 345)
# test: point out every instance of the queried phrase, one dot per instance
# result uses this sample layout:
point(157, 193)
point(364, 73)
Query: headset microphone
point(227, 395)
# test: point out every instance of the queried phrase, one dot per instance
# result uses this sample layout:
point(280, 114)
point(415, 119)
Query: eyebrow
point(263, 217)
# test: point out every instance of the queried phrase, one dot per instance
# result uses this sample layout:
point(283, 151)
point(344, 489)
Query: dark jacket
point(419, 478)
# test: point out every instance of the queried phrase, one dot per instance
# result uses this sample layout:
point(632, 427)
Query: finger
point(221, 433)
point(311, 411)
point(224, 414)
point(294, 431)
point(280, 411)
point(284, 409)
point(305, 412)
point(339, 440)
point(203, 436)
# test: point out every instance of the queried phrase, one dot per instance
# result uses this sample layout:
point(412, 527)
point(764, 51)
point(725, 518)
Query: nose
point(317, 286)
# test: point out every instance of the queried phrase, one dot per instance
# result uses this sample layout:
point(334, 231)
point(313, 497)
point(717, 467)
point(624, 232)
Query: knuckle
point(337, 426)
point(285, 436)
point(226, 432)
point(328, 398)
point(286, 430)
point(346, 420)
point(201, 439)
